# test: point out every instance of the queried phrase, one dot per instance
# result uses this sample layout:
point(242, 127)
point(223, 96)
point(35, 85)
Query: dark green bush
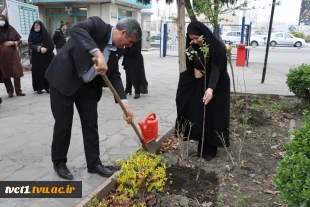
point(298, 81)
point(293, 173)
point(307, 38)
point(298, 34)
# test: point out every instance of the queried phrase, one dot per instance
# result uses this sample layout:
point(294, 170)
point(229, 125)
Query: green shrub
point(307, 38)
point(298, 34)
point(298, 81)
point(293, 175)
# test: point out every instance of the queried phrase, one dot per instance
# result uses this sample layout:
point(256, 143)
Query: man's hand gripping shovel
point(152, 145)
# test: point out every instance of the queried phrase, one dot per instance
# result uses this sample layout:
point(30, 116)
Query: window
point(155, 37)
point(122, 13)
point(279, 35)
point(288, 35)
point(146, 22)
point(229, 34)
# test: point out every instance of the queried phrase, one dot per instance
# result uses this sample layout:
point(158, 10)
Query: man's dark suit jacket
point(74, 60)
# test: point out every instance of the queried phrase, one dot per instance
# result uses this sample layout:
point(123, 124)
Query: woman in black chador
point(191, 96)
point(135, 73)
point(42, 46)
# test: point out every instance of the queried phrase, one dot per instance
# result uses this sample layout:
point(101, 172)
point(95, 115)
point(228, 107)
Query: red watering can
point(149, 127)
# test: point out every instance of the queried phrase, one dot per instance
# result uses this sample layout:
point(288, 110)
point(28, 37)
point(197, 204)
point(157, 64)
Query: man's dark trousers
point(62, 106)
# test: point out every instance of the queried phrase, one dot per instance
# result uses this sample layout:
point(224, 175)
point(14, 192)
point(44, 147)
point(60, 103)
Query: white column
point(93, 10)
point(137, 16)
point(113, 14)
point(105, 13)
point(157, 18)
point(109, 13)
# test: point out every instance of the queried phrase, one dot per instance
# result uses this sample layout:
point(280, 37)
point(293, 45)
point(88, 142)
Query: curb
point(150, 49)
point(104, 189)
point(101, 191)
point(261, 95)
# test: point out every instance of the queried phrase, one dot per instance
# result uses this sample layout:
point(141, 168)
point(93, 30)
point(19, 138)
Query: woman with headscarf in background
point(42, 46)
point(191, 95)
point(10, 66)
point(135, 74)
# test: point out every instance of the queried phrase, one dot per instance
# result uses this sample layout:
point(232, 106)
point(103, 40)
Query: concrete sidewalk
point(26, 125)
point(248, 79)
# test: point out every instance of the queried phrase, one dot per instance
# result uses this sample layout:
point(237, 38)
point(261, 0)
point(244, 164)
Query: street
point(279, 55)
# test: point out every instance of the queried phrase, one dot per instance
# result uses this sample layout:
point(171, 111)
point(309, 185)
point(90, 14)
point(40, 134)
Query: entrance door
point(69, 22)
point(50, 25)
point(56, 16)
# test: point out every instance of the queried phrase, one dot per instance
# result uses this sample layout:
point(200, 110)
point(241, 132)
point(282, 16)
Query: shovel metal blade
point(152, 147)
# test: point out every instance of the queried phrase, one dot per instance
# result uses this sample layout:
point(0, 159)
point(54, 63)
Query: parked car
point(285, 38)
point(235, 36)
point(155, 39)
point(261, 34)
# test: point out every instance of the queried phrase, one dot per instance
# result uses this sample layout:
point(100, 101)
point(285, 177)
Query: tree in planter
point(181, 131)
point(190, 52)
point(213, 9)
point(298, 81)
point(292, 177)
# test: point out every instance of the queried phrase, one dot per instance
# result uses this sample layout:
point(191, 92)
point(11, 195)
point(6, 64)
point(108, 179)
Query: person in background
point(59, 37)
point(42, 46)
point(10, 66)
point(135, 74)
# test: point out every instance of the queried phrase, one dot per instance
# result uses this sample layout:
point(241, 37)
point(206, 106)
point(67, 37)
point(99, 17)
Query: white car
point(155, 39)
point(235, 37)
point(261, 34)
point(285, 38)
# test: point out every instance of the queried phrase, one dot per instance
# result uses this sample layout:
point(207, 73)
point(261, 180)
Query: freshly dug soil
point(241, 175)
point(184, 182)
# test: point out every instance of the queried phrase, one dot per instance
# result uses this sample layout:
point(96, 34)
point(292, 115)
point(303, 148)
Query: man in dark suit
point(74, 79)
point(59, 37)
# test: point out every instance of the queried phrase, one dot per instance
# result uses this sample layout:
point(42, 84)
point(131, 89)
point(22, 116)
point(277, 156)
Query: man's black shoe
point(101, 170)
point(63, 171)
point(137, 96)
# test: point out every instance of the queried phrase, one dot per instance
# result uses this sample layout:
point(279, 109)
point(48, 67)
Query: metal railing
point(25, 55)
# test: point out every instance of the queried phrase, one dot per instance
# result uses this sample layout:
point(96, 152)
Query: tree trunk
point(181, 34)
point(190, 10)
point(216, 17)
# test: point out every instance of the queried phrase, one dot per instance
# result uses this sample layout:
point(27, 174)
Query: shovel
point(152, 145)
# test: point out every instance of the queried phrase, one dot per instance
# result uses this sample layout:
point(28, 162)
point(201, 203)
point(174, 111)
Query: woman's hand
point(208, 96)
point(8, 43)
point(198, 73)
point(43, 50)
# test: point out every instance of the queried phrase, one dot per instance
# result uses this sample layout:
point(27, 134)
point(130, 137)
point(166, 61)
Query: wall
point(42, 14)
point(109, 13)
point(93, 10)
point(137, 16)
point(134, 2)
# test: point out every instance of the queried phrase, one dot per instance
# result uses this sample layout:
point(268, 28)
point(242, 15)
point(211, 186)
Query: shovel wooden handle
point(119, 101)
